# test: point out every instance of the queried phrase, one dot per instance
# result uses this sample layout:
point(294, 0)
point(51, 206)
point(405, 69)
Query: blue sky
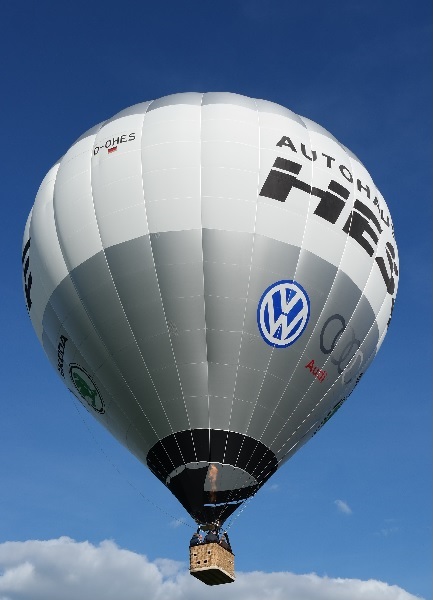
point(355, 503)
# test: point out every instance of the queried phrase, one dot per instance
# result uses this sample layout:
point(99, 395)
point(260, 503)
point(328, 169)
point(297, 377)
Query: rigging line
point(238, 513)
point(116, 468)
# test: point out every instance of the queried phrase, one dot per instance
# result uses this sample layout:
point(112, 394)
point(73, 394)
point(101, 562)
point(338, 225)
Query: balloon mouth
point(220, 477)
point(211, 472)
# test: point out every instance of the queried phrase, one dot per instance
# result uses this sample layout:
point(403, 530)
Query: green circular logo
point(86, 388)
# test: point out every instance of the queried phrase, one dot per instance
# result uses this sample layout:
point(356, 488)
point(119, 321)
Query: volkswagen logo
point(283, 313)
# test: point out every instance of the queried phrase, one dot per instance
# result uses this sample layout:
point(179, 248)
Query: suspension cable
point(128, 481)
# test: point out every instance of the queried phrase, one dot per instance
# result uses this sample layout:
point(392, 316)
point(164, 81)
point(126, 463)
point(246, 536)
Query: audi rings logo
point(349, 357)
point(283, 313)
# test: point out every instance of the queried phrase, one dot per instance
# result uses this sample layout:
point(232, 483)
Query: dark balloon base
point(182, 462)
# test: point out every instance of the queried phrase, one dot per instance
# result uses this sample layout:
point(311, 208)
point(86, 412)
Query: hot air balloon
point(210, 275)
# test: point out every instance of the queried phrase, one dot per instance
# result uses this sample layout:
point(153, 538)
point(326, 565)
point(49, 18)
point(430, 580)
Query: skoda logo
point(283, 313)
point(86, 388)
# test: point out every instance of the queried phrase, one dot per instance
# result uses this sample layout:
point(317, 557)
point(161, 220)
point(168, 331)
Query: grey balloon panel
point(314, 412)
point(91, 354)
point(143, 384)
point(250, 384)
point(222, 348)
point(247, 380)
point(63, 355)
point(198, 411)
point(307, 394)
point(226, 247)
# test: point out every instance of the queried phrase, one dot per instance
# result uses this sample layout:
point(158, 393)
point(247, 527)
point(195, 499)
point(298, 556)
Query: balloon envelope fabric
point(210, 275)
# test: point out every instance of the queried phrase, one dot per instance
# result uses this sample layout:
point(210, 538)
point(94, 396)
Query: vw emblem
point(283, 313)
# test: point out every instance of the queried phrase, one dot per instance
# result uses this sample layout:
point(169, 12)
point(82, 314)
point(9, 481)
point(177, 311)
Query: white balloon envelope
point(210, 275)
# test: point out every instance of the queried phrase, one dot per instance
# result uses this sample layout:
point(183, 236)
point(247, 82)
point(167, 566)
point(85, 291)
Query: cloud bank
point(64, 568)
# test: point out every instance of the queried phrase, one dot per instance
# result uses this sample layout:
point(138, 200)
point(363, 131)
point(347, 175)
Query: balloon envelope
point(210, 275)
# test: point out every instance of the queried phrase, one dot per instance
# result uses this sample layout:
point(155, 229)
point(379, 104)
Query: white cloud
point(343, 507)
point(64, 568)
point(390, 528)
point(386, 531)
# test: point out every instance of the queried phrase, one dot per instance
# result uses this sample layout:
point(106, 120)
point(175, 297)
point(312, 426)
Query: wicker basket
point(212, 564)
